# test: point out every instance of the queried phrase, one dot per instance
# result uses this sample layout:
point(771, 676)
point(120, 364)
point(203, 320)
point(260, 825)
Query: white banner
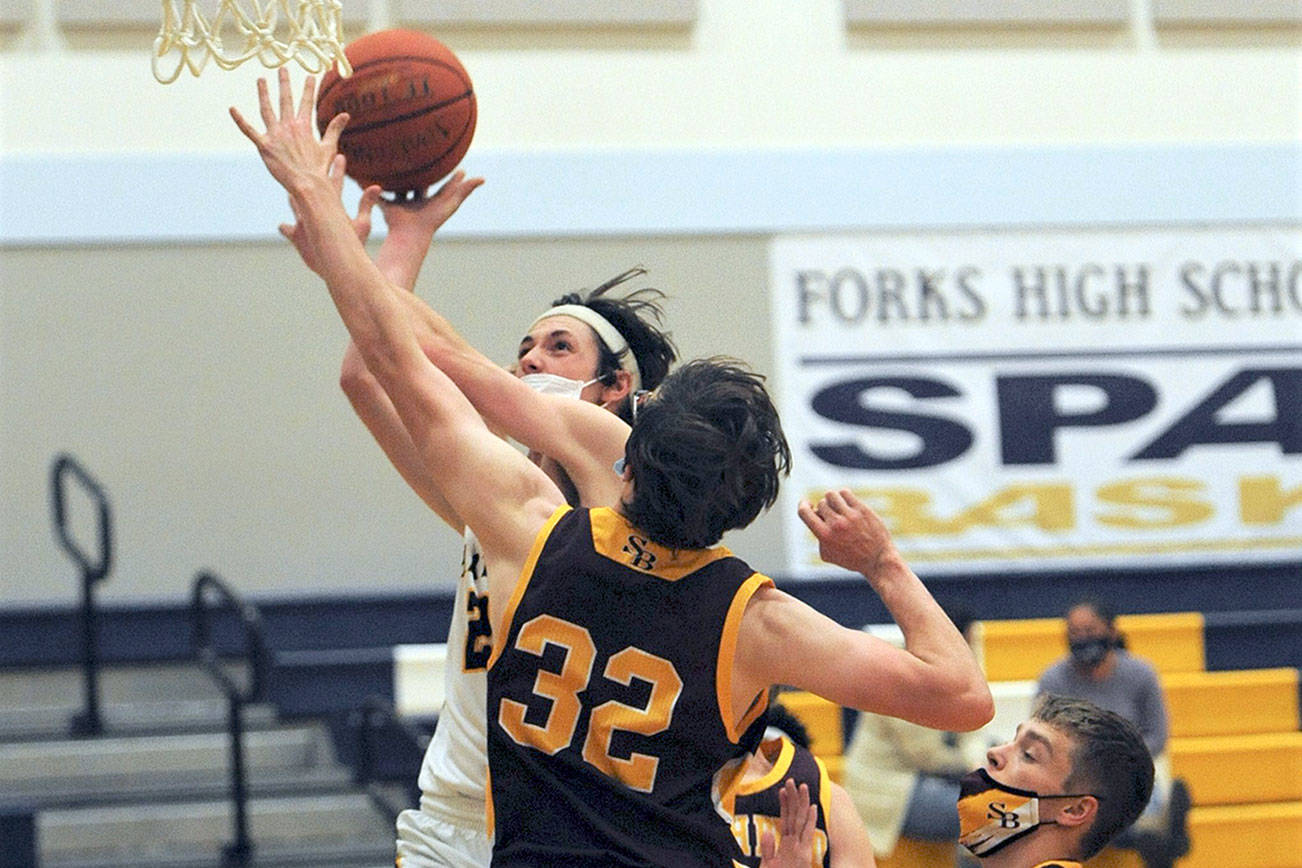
point(1034, 400)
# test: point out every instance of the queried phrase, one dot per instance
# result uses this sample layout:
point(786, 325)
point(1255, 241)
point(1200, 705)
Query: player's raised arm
point(501, 495)
point(934, 680)
point(578, 435)
point(400, 257)
point(411, 228)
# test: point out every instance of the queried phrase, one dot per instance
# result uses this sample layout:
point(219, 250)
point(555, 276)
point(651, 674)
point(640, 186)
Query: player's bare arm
point(411, 227)
point(934, 680)
point(848, 843)
point(412, 224)
point(503, 497)
point(585, 442)
point(584, 438)
point(367, 398)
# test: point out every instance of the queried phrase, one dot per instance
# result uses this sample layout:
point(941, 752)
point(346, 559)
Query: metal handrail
point(93, 571)
point(377, 713)
point(258, 661)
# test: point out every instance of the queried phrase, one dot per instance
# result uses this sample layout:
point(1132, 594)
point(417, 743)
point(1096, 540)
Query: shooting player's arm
point(847, 838)
point(934, 680)
point(501, 495)
point(412, 226)
point(582, 437)
point(372, 405)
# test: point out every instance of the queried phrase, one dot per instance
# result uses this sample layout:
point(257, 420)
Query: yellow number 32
point(638, 771)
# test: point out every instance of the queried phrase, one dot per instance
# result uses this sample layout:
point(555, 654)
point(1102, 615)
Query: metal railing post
point(93, 571)
point(240, 850)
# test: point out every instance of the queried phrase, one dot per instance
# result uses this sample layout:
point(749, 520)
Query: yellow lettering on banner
point(1154, 502)
point(906, 510)
point(1263, 500)
point(1149, 503)
point(1046, 506)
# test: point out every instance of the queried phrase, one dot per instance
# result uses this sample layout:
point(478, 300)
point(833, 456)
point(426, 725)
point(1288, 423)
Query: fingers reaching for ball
point(289, 147)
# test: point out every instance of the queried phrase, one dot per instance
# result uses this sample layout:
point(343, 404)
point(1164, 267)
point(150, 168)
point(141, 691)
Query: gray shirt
point(1132, 691)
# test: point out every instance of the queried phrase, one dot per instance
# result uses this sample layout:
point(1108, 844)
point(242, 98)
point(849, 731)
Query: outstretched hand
point(297, 235)
point(412, 224)
point(849, 533)
point(290, 148)
point(428, 214)
point(797, 822)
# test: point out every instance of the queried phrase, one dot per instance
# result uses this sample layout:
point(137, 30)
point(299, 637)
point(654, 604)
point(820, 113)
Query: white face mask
point(554, 384)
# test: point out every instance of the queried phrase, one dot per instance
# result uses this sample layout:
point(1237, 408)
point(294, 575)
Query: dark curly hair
point(638, 317)
point(779, 717)
point(1108, 759)
point(707, 454)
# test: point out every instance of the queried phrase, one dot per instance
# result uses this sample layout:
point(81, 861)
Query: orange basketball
point(411, 107)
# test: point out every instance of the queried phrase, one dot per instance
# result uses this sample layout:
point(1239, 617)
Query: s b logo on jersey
point(642, 558)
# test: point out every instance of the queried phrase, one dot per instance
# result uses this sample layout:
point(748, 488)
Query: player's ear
point(622, 384)
point(1079, 811)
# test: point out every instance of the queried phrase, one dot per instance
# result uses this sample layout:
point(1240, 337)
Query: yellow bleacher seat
point(1237, 702)
point(1240, 769)
point(1021, 649)
point(919, 854)
point(1245, 836)
point(821, 718)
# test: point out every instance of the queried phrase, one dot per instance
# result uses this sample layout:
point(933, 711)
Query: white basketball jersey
point(454, 775)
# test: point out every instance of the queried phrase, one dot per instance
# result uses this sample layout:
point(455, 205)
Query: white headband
point(609, 335)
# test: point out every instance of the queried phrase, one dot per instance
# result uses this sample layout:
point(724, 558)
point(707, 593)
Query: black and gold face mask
point(992, 815)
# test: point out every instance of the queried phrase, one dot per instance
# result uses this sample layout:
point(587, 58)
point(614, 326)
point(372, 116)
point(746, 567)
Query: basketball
point(411, 107)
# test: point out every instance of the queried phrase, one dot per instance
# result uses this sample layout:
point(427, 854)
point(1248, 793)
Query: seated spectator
point(904, 778)
point(1100, 669)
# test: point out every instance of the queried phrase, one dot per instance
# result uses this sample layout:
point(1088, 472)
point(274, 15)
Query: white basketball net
point(273, 31)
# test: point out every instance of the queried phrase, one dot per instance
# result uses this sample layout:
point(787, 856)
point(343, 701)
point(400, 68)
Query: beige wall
point(198, 384)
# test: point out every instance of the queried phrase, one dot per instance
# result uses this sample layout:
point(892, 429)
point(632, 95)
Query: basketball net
point(273, 31)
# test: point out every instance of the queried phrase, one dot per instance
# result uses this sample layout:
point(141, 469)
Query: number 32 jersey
point(609, 699)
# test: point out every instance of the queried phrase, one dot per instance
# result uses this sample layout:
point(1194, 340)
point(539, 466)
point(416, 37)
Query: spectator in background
point(1101, 670)
point(904, 778)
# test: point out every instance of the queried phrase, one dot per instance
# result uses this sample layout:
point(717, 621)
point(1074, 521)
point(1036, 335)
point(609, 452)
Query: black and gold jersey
point(753, 807)
point(609, 699)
